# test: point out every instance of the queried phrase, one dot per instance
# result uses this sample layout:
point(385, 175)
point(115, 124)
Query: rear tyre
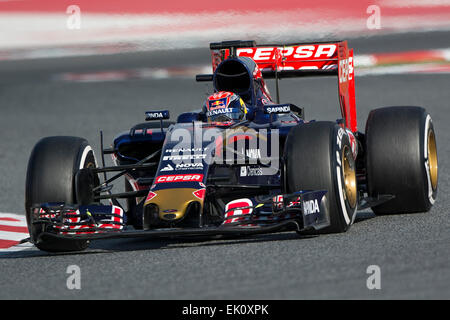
point(401, 159)
point(52, 166)
point(319, 157)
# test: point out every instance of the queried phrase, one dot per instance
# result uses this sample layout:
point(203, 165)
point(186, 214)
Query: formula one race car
point(243, 164)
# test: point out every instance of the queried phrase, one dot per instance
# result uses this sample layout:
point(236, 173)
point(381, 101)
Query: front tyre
point(51, 172)
point(319, 157)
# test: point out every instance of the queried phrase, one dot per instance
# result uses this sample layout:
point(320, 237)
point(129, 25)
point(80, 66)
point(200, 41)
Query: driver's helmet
point(225, 106)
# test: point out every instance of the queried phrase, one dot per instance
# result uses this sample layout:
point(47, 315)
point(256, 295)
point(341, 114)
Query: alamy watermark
point(73, 281)
point(229, 146)
point(374, 20)
point(74, 19)
point(374, 280)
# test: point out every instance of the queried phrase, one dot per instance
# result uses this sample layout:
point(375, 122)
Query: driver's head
point(225, 106)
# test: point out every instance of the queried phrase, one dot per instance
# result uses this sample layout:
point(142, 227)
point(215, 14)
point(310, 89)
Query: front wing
point(300, 211)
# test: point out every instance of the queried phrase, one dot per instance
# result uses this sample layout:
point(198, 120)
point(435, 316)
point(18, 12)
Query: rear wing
point(332, 58)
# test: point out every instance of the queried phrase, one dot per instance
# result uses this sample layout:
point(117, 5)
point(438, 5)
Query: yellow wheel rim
point(349, 173)
point(432, 159)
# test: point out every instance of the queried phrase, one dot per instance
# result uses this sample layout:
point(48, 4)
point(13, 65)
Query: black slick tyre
point(319, 157)
point(51, 171)
point(401, 159)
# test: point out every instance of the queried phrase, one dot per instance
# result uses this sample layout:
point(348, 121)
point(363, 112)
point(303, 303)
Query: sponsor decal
point(183, 166)
point(156, 115)
point(217, 104)
point(321, 51)
point(167, 168)
point(218, 111)
point(318, 56)
point(218, 101)
point(189, 166)
point(184, 157)
point(179, 178)
point(178, 150)
point(344, 70)
point(247, 171)
point(253, 153)
point(278, 109)
point(310, 207)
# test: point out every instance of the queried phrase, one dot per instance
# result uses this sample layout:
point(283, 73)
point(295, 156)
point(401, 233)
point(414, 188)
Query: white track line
point(14, 236)
point(18, 247)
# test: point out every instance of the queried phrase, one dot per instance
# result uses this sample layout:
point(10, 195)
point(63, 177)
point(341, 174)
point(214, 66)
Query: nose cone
point(172, 204)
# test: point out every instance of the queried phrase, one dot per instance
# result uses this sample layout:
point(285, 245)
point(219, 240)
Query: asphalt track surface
point(412, 251)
